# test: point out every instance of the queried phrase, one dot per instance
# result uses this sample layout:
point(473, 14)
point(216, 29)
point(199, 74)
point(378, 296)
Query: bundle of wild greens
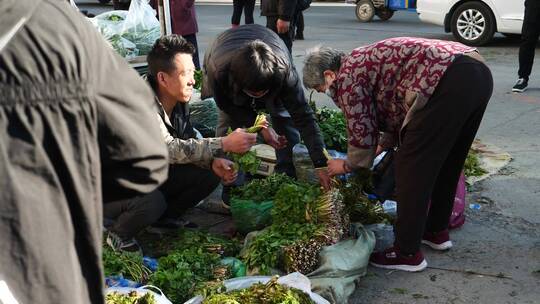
point(248, 162)
point(270, 293)
point(263, 189)
point(185, 273)
point(333, 128)
point(130, 298)
point(303, 222)
point(472, 165)
point(358, 206)
point(129, 265)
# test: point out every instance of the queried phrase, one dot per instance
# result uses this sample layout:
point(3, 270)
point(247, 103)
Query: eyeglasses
point(255, 94)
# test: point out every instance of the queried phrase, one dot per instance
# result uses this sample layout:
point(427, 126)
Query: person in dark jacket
point(242, 5)
point(280, 17)
point(529, 39)
point(184, 23)
point(249, 69)
point(70, 138)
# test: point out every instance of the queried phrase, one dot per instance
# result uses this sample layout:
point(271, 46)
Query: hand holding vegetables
point(273, 139)
point(248, 161)
point(238, 141)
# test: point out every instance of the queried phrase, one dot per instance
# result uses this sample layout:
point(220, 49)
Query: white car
point(474, 22)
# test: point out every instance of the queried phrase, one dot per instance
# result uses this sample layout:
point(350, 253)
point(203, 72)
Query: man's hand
point(238, 141)
point(273, 139)
point(282, 26)
point(336, 167)
point(224, 169)
point(324, 178)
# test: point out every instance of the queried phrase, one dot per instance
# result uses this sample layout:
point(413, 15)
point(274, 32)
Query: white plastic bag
point(295, 280)
point(141, 26)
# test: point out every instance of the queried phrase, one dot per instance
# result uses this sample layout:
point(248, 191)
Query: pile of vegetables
point(303, 221)
point(248, 162)
point(270, 293)
point(192, 266)
point(130, 298)
point(264, 189)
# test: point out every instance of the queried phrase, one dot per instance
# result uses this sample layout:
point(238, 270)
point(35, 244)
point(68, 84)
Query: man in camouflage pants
point(195, 168)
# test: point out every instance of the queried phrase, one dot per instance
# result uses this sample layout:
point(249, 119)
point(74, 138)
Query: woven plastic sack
point(250, 215)
point(203, 115)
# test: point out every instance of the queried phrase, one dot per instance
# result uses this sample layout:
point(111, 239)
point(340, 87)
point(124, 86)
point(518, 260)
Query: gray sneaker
point(214, 206)
point(119, 244)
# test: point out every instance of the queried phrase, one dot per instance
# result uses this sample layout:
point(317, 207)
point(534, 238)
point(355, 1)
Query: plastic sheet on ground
point(295, 280)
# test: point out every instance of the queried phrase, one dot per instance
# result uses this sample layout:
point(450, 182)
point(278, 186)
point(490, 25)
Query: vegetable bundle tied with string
point(248, 162)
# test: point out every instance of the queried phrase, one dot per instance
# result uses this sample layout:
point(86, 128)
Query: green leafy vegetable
point(264, 189)
point(270, 293)
point(472, 165)
point(130, 298)
point(129, 265)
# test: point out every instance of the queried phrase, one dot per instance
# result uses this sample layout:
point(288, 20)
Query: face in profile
point(179, 82)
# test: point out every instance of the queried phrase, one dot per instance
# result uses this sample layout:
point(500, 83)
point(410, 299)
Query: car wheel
point(384, 14)
point(473, 24)
point(365, 10)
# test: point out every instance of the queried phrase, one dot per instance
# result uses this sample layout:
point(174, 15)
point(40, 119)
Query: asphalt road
point(503, 236)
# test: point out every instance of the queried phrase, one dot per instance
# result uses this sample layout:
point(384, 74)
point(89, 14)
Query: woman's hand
point(337, 167)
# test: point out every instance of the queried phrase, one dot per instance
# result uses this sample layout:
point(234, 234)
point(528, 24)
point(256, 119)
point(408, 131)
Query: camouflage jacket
point(183, 150)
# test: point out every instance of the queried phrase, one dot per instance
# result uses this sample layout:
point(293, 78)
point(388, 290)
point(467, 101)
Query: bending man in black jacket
point(249, 69)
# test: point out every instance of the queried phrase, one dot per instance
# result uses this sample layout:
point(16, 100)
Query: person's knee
point(155, 205)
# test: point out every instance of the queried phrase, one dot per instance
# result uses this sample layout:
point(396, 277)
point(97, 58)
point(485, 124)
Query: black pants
point(529, 37)
point(186, 186)
point(193, 40)
point(434, 146)
point(288, 37)
point(248, 6)
point(300, 23)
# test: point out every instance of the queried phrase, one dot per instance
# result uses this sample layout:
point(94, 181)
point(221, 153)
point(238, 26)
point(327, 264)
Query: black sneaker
point(520, 86)
point(126, 245)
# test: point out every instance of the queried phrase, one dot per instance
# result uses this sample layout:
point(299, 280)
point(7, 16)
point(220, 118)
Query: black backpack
point(302, 5)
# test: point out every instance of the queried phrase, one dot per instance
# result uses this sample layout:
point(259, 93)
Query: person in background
point(249, 69)
point(280, 17)
point(248, 6)
point(299, 26)
point(78, 128)
point(426, 96)
point(529, 38)
point(184, 23)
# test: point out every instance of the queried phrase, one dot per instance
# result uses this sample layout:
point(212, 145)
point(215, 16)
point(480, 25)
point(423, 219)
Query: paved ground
point(502, 239)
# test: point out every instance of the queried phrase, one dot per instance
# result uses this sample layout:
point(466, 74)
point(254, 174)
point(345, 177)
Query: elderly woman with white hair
point(426, 97)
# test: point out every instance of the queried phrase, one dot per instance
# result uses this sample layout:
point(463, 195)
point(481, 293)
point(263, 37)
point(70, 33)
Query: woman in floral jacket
point(426, 97)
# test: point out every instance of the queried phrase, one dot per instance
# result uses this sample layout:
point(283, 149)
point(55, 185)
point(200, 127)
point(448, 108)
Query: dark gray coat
point(288, 100)
point(76, 124)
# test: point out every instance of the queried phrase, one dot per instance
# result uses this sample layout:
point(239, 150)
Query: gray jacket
point(77, 125)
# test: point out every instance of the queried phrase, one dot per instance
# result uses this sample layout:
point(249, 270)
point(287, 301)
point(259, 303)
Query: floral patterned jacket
point(380, 86)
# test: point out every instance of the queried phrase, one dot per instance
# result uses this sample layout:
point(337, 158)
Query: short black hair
point(255, 67)
point(161, 57)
